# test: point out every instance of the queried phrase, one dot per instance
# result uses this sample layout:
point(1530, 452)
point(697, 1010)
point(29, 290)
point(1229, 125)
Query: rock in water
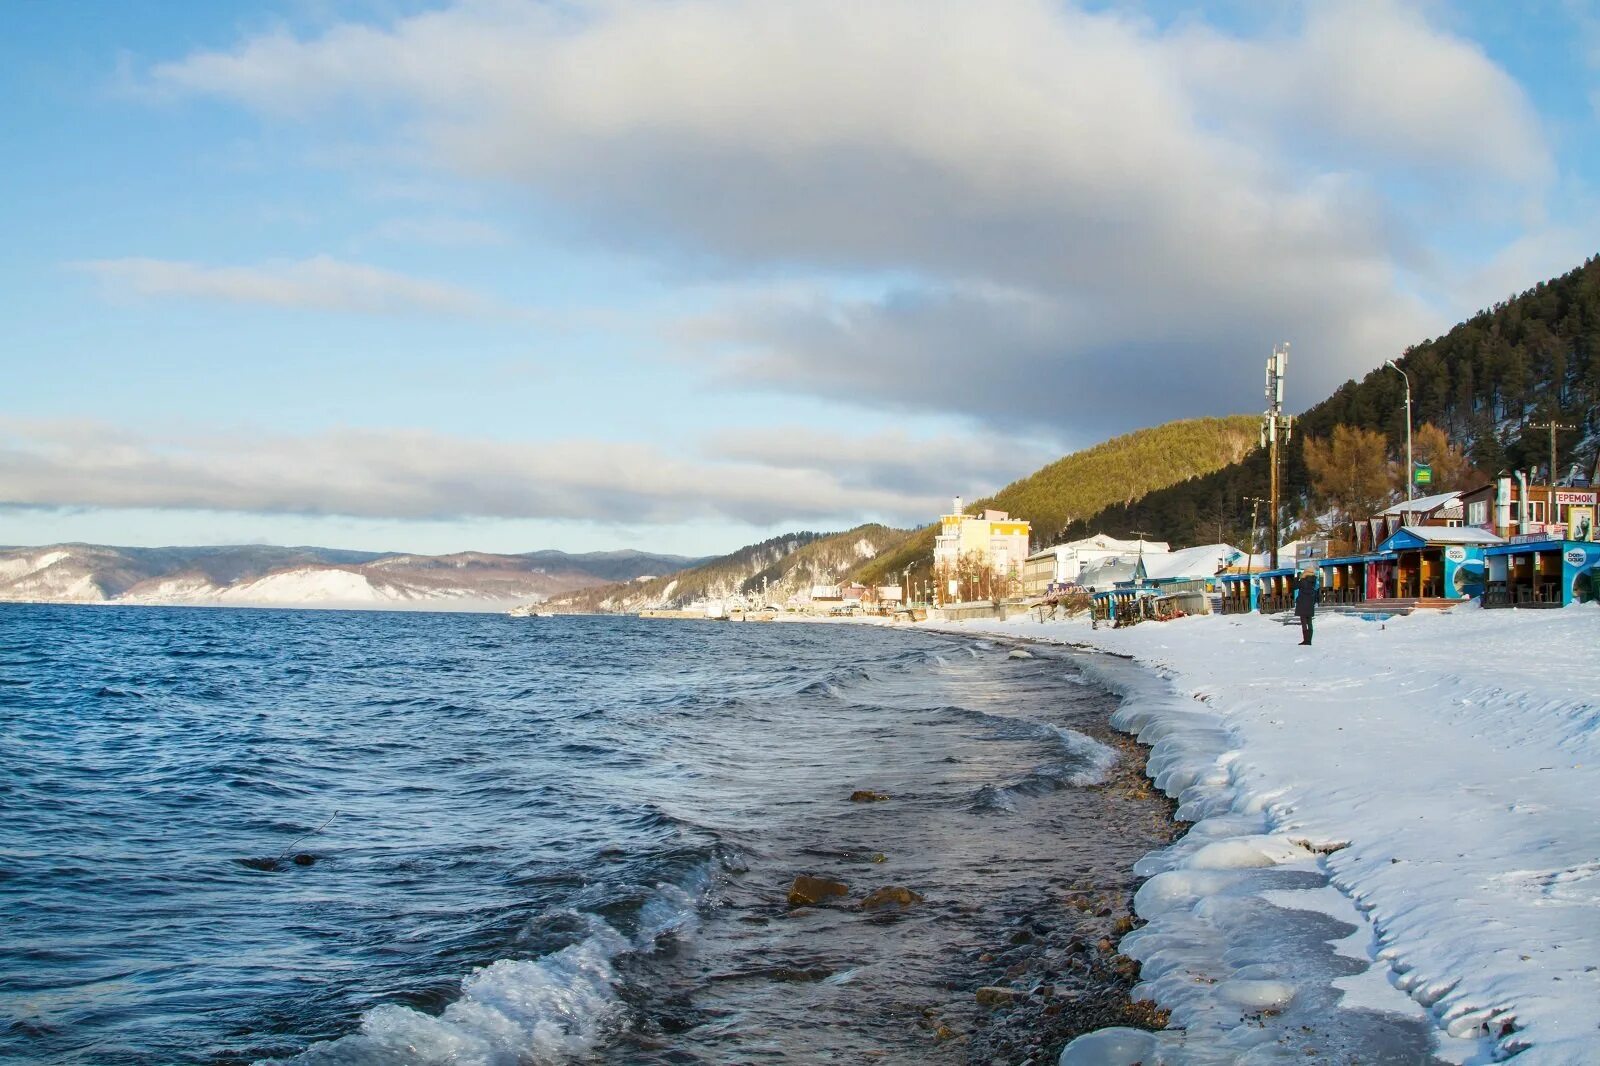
point(895, 895)
point(808, 890)
point(1019, 653)
point(866, 795)
point(995, 996)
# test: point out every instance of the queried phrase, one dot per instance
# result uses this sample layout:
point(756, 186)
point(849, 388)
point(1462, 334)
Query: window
point(1536, 511)
point(1478, 513)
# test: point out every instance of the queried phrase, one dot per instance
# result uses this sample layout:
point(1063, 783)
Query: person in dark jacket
point(1305, 603)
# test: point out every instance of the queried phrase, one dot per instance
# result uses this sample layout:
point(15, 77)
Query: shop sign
point(1423, 475)
point(1574, 498)
point(1576, 556)
point(1455, 555)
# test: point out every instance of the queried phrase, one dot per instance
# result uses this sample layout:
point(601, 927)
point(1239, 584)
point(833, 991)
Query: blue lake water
point(328, 837)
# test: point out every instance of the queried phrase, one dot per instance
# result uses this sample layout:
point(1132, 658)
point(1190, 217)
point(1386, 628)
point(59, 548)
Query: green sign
point(1422, 475)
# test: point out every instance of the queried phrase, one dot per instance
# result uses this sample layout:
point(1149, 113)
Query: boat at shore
point(529, 610)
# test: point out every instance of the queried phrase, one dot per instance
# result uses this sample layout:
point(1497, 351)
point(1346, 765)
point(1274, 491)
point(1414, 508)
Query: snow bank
point(1401, 821)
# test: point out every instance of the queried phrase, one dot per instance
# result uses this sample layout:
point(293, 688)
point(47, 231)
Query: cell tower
point(1275, 428)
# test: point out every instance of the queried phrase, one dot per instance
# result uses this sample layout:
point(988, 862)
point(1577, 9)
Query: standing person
point(1305, 603)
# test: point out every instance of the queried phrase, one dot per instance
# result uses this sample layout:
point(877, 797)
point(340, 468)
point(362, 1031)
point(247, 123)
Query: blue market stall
point(1542, 573)
point(1239, 593)
point(1275, 589)
point(1351, 579)
point(1438, 562)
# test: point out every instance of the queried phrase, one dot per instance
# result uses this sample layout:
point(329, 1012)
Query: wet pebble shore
point(1058, 973)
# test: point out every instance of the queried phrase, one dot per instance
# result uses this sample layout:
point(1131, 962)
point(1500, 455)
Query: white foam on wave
point(511, 1013)
point(1099, 757)
point(519, 1012)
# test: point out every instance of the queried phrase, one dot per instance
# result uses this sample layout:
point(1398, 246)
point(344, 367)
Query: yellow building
point(993, 540)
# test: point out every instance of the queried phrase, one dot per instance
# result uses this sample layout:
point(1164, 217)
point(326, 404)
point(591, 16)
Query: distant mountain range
point(270, 576)
point(1082, 483)
point(779, 566)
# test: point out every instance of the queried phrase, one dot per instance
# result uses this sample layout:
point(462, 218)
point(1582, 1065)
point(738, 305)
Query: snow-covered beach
point(1432, 781)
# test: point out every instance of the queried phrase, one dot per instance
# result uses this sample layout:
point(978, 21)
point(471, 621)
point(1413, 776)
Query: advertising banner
point(1580, 523)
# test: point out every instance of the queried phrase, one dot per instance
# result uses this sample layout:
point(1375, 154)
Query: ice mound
point(1245, 853)
point(1113, 1047)
point(1256, 994)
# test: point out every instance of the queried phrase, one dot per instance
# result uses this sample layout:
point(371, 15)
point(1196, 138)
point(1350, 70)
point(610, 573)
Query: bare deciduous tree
point(1351, 472)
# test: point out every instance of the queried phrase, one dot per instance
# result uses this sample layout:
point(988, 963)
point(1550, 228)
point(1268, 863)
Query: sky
point(677, 275)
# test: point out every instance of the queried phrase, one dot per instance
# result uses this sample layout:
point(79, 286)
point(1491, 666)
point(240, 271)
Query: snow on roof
point(1449, 535)
point(1423, 503)
point(1203, 561)
point(1101, 542)
point(1104, 573)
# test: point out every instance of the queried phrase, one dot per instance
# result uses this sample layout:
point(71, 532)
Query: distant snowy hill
point(781, 567)
point(262, 575)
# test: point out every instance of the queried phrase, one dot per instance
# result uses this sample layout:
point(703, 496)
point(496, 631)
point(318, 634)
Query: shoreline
point(1361, 902)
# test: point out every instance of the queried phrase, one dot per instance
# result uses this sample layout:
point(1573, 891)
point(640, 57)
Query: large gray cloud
point(421, 475)
point(1078, 205)
point(888, 460)
point(1012, 358)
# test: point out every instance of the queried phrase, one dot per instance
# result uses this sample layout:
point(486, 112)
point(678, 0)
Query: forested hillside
point(1075, 486)
point(1533, 359)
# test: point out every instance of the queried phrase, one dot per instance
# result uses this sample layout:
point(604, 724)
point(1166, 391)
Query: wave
point(510, 1012)
point(1090, 760)
point(525, 1012)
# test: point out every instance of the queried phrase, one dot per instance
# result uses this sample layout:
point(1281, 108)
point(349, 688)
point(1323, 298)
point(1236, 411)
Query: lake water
point(327, 837)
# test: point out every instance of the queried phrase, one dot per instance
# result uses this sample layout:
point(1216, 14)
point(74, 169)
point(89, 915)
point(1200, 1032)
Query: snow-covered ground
point(1396, 848)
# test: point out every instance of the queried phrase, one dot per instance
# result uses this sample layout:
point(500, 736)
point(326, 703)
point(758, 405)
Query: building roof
point(1421, 503)
point(1514, 547)
point(1104, 573)
point(1203, 561)
point(1408, 535)
point(1101, 542)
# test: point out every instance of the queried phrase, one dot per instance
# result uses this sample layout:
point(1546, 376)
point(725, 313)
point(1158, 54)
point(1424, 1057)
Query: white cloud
point(317, 284)
point(1373, 82)
point(420, 475)
point(972, 466)
point(443, 230)
point(1084, 203)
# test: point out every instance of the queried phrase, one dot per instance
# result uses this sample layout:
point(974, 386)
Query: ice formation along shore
point(1396, 839)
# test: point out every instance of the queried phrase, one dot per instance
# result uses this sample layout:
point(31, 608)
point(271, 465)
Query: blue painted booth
point(1438, 562)
point(1542, 573)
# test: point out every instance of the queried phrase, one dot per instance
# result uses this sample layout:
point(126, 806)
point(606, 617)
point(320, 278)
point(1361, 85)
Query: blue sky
point(506, 276)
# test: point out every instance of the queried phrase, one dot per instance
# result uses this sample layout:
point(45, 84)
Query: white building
point(1065, 564)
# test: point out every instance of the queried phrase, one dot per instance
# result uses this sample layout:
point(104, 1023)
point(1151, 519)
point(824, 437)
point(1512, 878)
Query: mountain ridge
point(1486, 381)
point(1082, 482)
point(274, 575)
point(779, 567)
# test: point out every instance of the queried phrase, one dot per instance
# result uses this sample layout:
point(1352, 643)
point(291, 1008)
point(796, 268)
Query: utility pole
point(1275, 431)
point(1550, 515)
point(1411, 471)
point(1255, 503)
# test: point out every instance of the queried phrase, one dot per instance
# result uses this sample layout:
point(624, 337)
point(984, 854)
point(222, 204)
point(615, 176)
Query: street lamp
point(1410, 472)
